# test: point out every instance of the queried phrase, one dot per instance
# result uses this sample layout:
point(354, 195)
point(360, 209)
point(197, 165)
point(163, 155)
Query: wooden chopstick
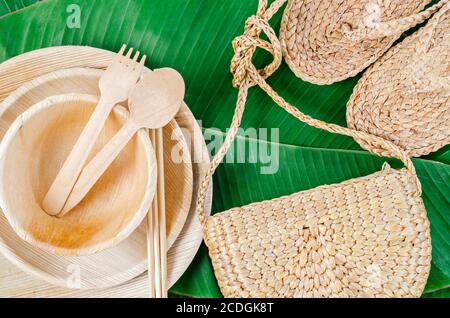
point(157, 254)
point(156, 235)
point(162, 213)
point(154, 273)
point(150, 254)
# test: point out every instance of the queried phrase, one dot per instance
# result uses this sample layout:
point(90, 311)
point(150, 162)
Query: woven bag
point(325, 41)
point(365, 237)
point(405, 96)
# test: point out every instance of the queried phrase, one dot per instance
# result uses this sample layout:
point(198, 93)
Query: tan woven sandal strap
point(429, 81)
point(245, 75)
point(393, 27)
point(425, 40)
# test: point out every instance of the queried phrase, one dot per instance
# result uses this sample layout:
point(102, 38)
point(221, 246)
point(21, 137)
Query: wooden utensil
point(167, 102)
point(153, 103)
point(115, 85)
point(156, 234)
point(131, 254)
point(31, 152)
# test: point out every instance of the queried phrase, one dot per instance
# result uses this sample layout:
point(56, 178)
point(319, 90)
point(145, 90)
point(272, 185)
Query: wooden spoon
point(153, 103)
point(115, 84)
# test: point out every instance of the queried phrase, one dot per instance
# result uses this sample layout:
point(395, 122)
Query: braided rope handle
point(393, 27)
point(245, 75)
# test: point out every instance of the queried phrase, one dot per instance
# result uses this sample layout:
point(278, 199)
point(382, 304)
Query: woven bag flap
point(365, 237)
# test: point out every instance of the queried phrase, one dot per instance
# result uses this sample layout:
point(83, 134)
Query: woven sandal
point(365, 237)
point(404, 97)
point(325, 41)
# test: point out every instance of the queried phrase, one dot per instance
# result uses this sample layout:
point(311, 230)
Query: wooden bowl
point(119, 265)
point(31, 154)
point(85, 81)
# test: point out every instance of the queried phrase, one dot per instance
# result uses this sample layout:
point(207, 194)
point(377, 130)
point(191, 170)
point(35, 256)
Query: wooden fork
point(115, 85)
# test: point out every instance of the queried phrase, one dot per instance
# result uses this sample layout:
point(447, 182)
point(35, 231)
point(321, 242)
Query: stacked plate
point(117, 271)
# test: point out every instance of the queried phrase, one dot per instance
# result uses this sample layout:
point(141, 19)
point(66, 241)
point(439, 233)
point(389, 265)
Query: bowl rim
point(132, 224)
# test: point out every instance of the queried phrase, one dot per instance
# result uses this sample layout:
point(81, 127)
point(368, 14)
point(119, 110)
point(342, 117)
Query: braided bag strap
point(245, 75)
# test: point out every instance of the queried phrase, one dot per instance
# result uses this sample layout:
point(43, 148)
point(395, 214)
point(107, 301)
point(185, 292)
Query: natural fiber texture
point(325, 241)
point(405, 96)
point(325, 41)
point(366, 237)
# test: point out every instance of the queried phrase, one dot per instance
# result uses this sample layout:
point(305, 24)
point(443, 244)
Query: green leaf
point(194, 36)
point(8, 6)
point(443, 293)
point(442, 155)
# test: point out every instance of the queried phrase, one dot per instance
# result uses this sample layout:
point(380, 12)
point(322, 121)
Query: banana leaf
point(9, 6)
point(194, 36)
point(443, 293)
